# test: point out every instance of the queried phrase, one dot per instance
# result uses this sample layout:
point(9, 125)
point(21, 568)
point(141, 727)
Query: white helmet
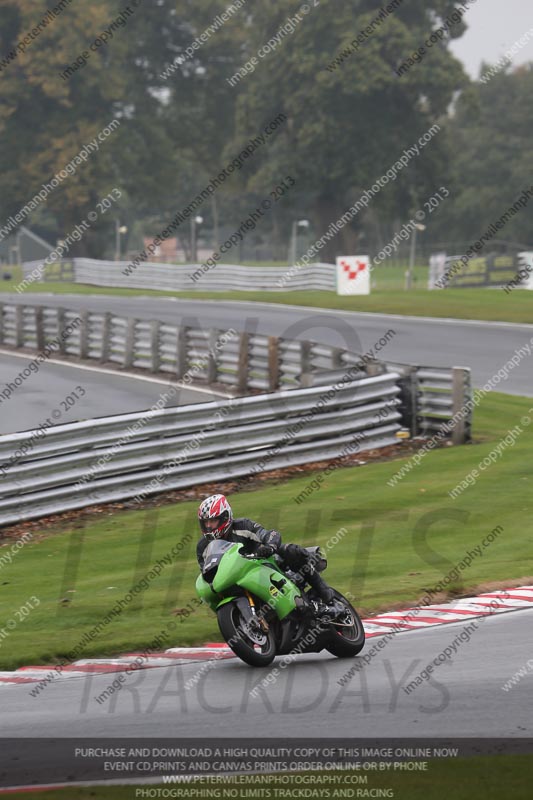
point(215, 516)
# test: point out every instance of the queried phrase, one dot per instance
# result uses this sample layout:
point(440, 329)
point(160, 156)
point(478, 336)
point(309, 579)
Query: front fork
point(246, 605)
point(256, 618)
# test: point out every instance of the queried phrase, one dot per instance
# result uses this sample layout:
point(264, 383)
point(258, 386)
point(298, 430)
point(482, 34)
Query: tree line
point(167, 71)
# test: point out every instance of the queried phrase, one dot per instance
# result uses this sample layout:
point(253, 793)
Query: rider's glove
point(264, 551)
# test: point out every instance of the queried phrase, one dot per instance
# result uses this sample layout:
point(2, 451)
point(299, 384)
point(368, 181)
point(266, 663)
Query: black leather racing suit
point(294, 556)
point(242, 530)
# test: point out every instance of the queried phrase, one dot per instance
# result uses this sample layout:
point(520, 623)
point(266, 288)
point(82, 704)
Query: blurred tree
point(348, 120)
point(490, 132)
point(45, 120)
point(200, 103)
point(348, 124)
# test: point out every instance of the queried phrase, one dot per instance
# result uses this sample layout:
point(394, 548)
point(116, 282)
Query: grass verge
point(399, 541)
point(388, 298)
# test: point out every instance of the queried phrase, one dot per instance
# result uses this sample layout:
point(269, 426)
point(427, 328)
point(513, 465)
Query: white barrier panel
point(526, 262)
point(194, 277)
point(353, 275)
point(437, 268)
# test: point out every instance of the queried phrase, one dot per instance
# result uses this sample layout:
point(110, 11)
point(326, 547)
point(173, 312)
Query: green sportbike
point(264, 611)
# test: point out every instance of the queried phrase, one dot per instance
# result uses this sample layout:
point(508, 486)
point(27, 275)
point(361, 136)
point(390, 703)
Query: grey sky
point(493, 26)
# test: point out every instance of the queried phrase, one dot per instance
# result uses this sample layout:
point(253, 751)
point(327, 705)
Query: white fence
point(178, 277)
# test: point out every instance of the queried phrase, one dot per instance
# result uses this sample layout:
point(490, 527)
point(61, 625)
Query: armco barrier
point(430, 396)
point(433, 397)
point(86, 463)
point(243, 361)
point(240, 360)
point(81, 464)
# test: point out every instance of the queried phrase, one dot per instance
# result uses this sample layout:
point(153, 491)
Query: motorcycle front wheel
point(348, 635)
point(253, 645)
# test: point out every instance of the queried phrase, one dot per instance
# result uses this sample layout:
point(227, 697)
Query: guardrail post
point(336, 358)
point(460, 395)
point(273, 363)
point(60, 328)
point(306, 374)
point(106, 337)
point(39, 328)
point(212, 365)
point(409, 399)
point(373, 368)
point(2, 313)
point(244, 360)
point(182, 351)
point(84, 334)
point(129, 342)
point(19, 326)
point(155, 343)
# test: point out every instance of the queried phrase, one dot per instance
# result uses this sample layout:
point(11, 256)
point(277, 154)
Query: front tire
point(255, 648)
point(348, 634)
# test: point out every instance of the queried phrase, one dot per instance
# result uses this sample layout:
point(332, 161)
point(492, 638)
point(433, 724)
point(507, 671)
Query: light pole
point(194, 222)
point(118, 230)
point(17, 248)
point(300, 223)
point(412, 256)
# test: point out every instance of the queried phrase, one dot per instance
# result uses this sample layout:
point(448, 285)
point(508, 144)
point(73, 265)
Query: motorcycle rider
point(217, 522)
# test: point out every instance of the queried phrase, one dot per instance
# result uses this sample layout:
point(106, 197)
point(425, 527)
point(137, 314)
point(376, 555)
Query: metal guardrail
point(435, 400)
point(177, 277)
point(243, 361)
point(86, 463)
point(441, 395)
point(81, 464)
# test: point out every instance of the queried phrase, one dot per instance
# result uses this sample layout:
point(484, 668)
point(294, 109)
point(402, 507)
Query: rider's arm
point(200, 547)
point(244, 529)
point(271, 538)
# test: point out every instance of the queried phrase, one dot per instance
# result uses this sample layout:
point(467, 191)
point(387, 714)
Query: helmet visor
point(214, 527)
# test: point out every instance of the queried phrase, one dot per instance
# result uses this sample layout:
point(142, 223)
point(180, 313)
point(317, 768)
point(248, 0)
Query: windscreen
point(214, 552)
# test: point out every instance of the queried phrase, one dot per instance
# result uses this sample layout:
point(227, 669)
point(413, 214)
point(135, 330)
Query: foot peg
point(301, 603)
point(329, 610)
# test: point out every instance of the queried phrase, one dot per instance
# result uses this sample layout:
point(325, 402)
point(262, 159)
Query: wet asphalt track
point(483, 346)
point(43, 394)
point(463, 698)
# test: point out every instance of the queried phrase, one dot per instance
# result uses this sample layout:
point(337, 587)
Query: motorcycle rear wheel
point(348, 634)
point(257, 649)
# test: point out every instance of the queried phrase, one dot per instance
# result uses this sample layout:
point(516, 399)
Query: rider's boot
point(328, 605)
point(320, 586)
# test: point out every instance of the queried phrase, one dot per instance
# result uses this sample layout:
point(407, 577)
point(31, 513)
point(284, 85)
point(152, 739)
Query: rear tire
point(347, 640)
point(258, 651)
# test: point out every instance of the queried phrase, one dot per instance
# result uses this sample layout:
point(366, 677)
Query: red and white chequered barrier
point(462, 610)
point(408, 619)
